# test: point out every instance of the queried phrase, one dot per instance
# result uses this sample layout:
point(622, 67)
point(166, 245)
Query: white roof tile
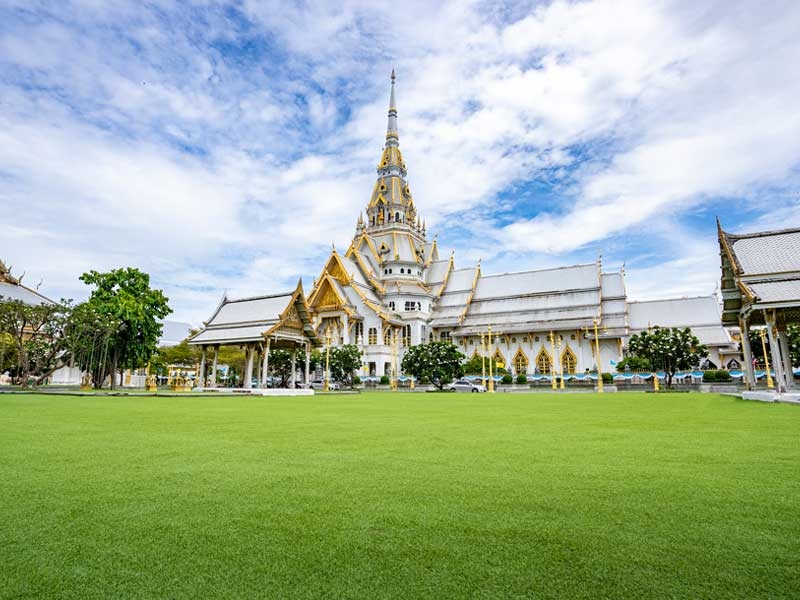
point(768, 252)
point(777, 291)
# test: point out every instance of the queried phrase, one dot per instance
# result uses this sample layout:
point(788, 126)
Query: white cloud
point(130, 140)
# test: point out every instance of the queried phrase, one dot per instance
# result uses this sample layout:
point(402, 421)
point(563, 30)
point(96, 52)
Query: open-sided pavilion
point(258, 324)
point(761, 286)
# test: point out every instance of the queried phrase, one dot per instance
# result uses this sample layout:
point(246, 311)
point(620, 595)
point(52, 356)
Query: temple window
point(406, 336)
point(513, 340)
point(444, 336)
point(568, 361)
point(373, 335)
point(525, 339)
point(543, 362)
point(391, 305)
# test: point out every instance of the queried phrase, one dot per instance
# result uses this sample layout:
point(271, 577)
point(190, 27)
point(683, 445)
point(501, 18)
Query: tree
point(437, 362)
point(38, 336)
point(476, 365)
point(792, 332)
point(280, 363)
point(668, 348)
point(344, 362)
point(125, 296)
point(634, 363)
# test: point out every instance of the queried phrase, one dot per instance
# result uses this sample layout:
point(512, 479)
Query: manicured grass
point(399, 496)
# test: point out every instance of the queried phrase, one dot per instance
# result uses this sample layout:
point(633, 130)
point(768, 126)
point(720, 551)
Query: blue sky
point(226, 145)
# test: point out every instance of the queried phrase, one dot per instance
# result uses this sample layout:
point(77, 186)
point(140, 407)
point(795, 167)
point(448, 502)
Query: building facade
point(391, 289)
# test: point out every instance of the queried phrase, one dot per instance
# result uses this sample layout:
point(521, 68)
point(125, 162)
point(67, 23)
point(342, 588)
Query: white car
point(462, 385)
point(319, 384)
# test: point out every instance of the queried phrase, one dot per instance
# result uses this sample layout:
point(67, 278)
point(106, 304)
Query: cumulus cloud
point(227, 145)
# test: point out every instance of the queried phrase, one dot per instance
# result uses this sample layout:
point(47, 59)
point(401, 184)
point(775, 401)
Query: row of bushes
point(716, 376)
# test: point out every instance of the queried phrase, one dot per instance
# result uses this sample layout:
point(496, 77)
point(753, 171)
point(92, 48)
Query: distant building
point(761, 287)
point(391, 289)
point(173, 333)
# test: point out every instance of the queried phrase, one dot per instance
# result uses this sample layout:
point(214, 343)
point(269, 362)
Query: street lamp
point(553, 382)
point(326, 386)
point(491, 361)
point(770, 383)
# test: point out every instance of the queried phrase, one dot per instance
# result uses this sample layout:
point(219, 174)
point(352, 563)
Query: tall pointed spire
point(391, 129)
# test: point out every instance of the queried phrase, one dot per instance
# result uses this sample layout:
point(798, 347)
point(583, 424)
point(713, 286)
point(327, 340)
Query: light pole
point(483, 359)
point(553, 382)
point(326, 386)
point(560, 363)
point(595, 322)
point(770, 383)
point(393, 380)
point(491, 360)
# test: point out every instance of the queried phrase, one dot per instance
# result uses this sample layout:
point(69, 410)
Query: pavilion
point(761, 286)
point(258, 324)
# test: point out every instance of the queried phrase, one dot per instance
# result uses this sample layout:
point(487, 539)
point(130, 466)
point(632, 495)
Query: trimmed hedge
point(507, 379)
point(521, 379)
point(384, 380)
point(716, 376)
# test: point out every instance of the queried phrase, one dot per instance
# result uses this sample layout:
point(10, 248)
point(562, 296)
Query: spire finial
point(391, 129)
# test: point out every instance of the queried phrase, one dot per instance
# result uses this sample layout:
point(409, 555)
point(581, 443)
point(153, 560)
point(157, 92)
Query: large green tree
point(437, 362)
point(38, 335)
point(125, 296)
point(344, 362)
point(669, 349)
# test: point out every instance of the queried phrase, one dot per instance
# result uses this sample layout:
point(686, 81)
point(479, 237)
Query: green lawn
point(399, 496)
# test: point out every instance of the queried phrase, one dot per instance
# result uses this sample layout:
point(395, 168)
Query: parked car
point(462, 385)
point(319, 384)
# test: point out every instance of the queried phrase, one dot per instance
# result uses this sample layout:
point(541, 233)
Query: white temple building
point(392, 289)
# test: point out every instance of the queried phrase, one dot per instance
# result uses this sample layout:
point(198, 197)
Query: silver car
point(319, 384)
point(462, 385)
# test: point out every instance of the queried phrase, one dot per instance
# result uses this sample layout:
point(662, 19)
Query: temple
point(392, 288)
point(761, 287)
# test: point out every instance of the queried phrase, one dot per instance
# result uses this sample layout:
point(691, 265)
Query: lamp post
point(393, 380)
point(553, 382)
point(326, 386)
point(483, 359)
point(770, 383)
point(491, 360)
point(560, 363)
point(595, 322)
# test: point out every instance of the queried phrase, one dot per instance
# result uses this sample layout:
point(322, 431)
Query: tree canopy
point(344, 362)
point(124, 297)
point(437, 362)
point(792, 332)
point(669, 349)
point(38, 335)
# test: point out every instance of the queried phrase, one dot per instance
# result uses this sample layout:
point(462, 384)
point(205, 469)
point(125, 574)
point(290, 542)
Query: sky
point(226, 146)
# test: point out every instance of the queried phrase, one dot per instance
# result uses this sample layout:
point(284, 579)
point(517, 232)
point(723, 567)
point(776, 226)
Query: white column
point(775, 351)
point(346, 330)
point(783, 342)
point(308, 362)
point(202, 376)
point(293, 383)
point(257, 350)
point(265, 370)
point(248, 371)
point(214, 367)
point(744, 326)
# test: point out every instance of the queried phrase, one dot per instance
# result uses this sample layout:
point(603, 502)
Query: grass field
point(399, 496)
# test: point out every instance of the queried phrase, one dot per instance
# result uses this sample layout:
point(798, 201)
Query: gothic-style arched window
point(520, 362)
point(568, 362)
point(543, 362)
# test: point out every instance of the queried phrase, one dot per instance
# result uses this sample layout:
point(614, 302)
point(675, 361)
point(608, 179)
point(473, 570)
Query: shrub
point(719, 376)
point(356, 380)
point(521, 379)
point(507, 379)
point(384, 380)
point(608, 378)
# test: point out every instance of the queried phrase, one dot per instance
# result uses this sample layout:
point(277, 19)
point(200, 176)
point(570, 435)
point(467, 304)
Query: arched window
point(568, 362)
point(373, 335)
point(397, 217)
point(391, 304)
point(406, 337)
point(520, 362)
point(359, 332)
point(543, 362)
point(499, 358)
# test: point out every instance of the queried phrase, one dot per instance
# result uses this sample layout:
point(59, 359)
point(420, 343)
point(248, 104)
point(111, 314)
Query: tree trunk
point(113, 372)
